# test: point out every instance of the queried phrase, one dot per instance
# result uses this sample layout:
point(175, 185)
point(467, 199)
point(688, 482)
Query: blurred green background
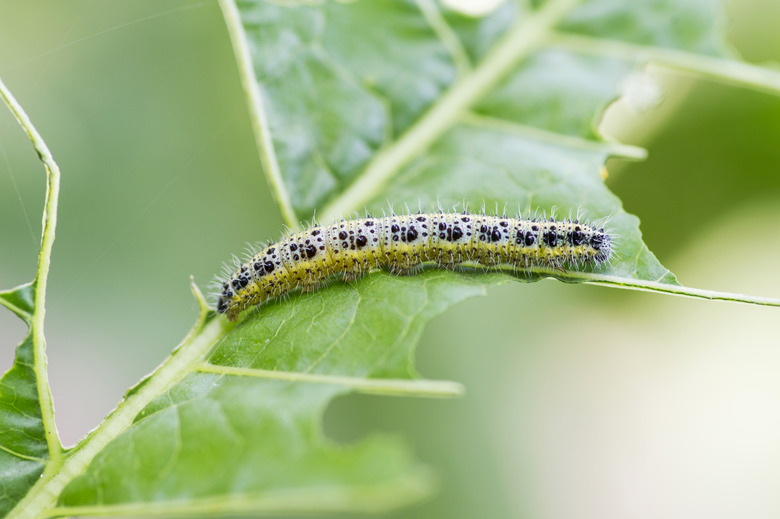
point(624, 404)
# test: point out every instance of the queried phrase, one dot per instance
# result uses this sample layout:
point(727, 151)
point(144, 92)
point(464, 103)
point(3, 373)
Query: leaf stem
point(257, 113)
point(736, 72)
point(522, 39)
point(41, 279)
point(377, 386)
point(594, 278)
point(678, 290)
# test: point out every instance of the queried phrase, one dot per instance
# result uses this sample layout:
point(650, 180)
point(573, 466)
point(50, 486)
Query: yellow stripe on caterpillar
point(401, 243)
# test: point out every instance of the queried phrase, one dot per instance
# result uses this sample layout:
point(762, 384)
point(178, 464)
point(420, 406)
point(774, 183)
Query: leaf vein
point(446, 35)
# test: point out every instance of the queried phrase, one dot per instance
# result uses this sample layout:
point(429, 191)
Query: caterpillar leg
point(489, 260)
point(309, 287)
point(401, 270)
point(449, 259)
point(353, 275)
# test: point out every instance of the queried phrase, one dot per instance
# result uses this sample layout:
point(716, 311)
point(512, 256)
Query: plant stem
point(41, 279)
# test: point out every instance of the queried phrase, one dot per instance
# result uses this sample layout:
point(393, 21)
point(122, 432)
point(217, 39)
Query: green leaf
point(23, 448)
point(20, 300)
point(354, 105)
point(243, 433)
point(694, 26)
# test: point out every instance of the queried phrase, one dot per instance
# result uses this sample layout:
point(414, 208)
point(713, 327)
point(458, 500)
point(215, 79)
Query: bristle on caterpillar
point(402, 243)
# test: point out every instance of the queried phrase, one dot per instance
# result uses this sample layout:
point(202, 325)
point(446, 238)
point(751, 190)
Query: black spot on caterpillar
point(401, 243)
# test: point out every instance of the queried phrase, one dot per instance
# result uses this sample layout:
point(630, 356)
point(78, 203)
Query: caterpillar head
point(601, 242)
point(229, 299)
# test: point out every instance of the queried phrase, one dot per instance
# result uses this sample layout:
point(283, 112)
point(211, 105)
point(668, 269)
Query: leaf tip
point(199, 297)
point(20, 300)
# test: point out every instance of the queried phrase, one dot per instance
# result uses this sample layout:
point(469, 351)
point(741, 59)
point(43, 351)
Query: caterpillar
point(402, 243)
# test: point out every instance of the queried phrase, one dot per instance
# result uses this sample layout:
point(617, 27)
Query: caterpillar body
point(401, 243)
